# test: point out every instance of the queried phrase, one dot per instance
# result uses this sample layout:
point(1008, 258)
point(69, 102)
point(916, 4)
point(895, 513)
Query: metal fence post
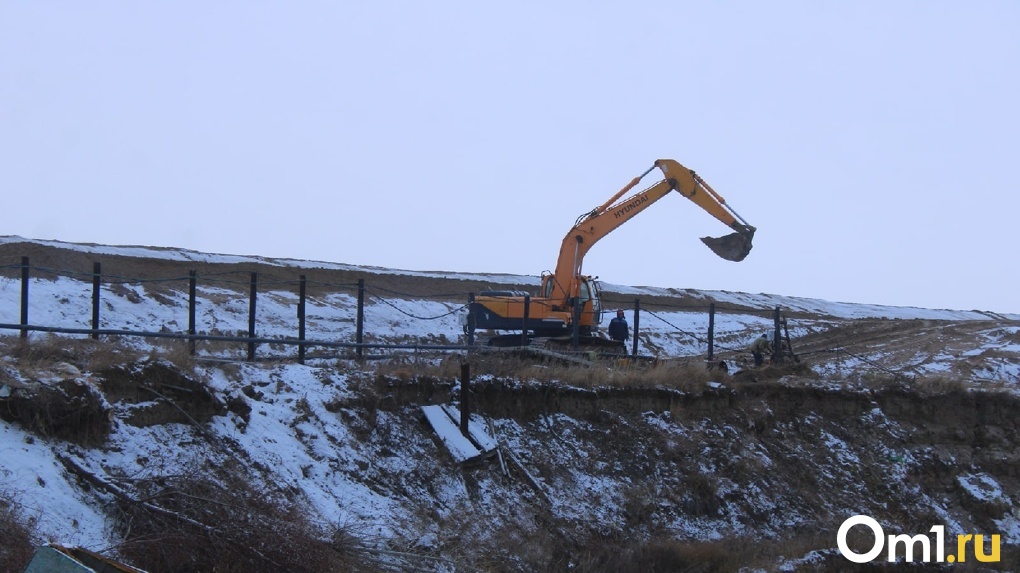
point(96, 273)
point(637, 325)
point(252, 298)
point(359, 335)
point(711, 330)
point(524, 325)
point(24, 297)
point(465, 388)
point(789, 344)
point(192, 287)
point(471, 320)
point(777, 341)
point(301, 318)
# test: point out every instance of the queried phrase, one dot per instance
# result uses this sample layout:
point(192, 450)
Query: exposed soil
point(151, 393)
point(230, 276)
point(68, 409)
point(774, 459)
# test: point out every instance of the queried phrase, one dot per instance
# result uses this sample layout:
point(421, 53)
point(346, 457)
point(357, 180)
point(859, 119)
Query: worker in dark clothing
point(759, 348)
point(618, 329)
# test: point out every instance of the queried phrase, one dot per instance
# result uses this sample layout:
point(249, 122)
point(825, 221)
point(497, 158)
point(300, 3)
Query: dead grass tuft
point(680, 375)
point(176, 352)
point(939, 385)
point(928, 385)
point(675, 374)
point(16, 546)
point(196, 523)
point(667, 555)
point(878, 380)
point(43, 352)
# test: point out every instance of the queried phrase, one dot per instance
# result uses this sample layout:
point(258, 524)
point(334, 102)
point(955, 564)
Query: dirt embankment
point(773, 458)
point(153, 393)
point(164, 274)
point(50, 261)
point(953, 411)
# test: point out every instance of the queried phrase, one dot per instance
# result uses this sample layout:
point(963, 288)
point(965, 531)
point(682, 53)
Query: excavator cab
point(591, 291)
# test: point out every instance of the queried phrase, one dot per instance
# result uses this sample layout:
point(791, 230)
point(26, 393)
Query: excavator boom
point(604, 219)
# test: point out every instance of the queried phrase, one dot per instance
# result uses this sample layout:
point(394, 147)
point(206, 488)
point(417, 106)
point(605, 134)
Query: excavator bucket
point(732, 247)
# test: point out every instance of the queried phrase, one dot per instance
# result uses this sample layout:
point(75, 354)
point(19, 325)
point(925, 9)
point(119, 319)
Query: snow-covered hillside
point(667, 332)
point(715, 461)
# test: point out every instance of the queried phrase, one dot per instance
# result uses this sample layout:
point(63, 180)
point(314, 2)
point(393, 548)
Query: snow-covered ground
point(320, 456)
point(60, 301)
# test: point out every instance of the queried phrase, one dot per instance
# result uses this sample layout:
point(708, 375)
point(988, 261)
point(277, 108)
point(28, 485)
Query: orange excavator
point(567, 308)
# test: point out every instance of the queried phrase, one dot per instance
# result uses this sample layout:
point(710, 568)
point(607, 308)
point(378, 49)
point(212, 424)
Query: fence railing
point(251, 340)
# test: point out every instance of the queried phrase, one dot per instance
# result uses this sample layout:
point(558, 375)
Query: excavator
point(567, 308)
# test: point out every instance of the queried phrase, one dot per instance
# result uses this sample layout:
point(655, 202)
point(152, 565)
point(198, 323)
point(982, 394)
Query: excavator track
point(562, 344)
point(560, 350)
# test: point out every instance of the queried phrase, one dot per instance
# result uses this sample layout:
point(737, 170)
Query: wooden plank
point(459, 446)
point(492, 432)
point(477, 434)
point(536, 485)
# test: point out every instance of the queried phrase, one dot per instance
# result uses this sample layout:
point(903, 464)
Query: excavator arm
point(604, 219)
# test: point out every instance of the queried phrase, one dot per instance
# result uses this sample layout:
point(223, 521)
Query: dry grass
point(939, 385)
point(926, 385)
point(45, 351)
point(528, 550)
point(176, 352)
point(800, 553)
point(16, 546)
point(681, 375)
point(675, 374)
point(667, 555)
point(197, 523)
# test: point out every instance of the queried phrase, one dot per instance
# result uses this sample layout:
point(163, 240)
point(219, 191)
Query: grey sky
point(874, 144)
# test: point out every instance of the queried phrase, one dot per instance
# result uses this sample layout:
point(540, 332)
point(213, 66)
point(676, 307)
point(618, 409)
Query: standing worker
point(618, 329)
point(759, 348)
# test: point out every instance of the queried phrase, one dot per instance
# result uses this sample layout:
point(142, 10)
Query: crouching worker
point(759, 348)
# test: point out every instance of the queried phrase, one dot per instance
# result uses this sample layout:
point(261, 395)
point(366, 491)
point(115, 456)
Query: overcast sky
point(874, 144)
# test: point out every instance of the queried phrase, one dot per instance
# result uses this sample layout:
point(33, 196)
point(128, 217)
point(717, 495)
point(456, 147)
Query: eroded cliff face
point(782, 459)
point(746, 470)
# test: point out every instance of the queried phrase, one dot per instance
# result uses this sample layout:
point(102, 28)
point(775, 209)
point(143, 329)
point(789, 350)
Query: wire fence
point(237, 281)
